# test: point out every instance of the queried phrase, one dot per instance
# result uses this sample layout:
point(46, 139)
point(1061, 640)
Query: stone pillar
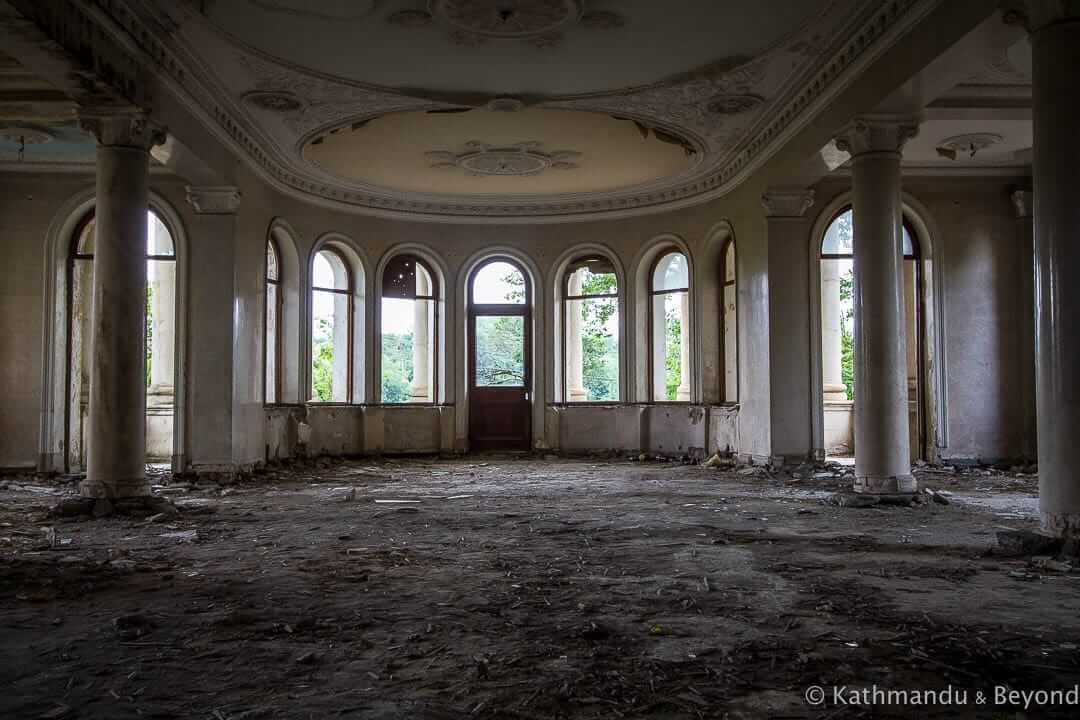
point(831, 332)
point(682, 393)
point(419, 389)
point(790, 427)
point(882, 442)
point(116, 453)
point(216, 363)
point(575, 369)
point(1055, 46)
point(1025, 231)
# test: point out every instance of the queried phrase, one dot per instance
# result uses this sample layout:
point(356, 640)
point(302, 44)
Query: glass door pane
point(500, 351)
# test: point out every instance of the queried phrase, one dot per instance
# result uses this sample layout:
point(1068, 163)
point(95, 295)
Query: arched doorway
point(161, 341)
point(500, 356)
point(839, 393)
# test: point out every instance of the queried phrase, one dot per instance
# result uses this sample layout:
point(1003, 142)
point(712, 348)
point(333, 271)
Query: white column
point(682, 393)
point(831, 332)
point(575, 368)
point(1025, 230)
point(882, 443)
point(419, 391)
point(1055, 44)
point(116, 454)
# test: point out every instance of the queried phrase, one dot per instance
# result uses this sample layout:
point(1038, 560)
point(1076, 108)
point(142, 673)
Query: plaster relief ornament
point(959, 145)
point(274, 101)
point(522, 159)
point(334, 11)
point(507, 18)
point(734, 104)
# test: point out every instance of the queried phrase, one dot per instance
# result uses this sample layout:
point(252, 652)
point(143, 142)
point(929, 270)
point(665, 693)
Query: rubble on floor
point(497, 588)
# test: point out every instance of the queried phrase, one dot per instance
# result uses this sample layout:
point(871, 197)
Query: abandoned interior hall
point(539, 358)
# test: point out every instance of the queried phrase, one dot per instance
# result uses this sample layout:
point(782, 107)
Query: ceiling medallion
point(507, 18)
point(518, 160)
point(277, 101)
point(734, 104)
point(25, 135)
point(971, 144)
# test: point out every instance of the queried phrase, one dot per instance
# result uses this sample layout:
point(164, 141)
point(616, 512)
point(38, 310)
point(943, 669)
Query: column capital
point(214, 199)
point(1034, 15)
point(121, 126)
point(781, 202)
point(877, 134)
point(1023, 202)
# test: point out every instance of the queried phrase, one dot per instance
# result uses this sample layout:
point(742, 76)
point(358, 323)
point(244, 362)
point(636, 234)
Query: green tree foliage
point(673, 359)
point(847, 335)
point(149, 330)
point(500, 349)
point(599, 351)
point(397, 367)
point(322, 367)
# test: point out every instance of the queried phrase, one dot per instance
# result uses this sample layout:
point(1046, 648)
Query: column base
point(127, 488)
point(1066, 525)
point(897, 484)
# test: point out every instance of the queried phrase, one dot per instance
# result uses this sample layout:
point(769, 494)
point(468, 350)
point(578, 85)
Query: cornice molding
point(214, 200)
point(135, 30)
point(788, 203)
point(1023, 203)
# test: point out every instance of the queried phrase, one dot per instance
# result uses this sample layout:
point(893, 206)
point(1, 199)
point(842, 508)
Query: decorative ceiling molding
point(520, 159)
point(274, 101)
point(507, 18)
point(968, 145)
point(346, 10)
point(797, 79)
point(540, 23)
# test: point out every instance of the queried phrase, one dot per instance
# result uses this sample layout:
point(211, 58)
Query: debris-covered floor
point(526, 588)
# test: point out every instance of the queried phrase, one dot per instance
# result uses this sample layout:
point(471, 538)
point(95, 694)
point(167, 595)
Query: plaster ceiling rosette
point(345, 108)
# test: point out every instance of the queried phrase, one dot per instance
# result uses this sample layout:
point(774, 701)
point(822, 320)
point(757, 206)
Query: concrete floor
point(527, 588)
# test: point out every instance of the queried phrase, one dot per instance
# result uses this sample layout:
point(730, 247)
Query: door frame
point(523, 310)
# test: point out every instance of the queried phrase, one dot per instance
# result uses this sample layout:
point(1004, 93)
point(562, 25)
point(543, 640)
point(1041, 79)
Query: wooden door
point(500, 372)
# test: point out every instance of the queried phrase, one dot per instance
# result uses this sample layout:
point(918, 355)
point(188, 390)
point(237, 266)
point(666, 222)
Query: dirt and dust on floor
point(535, 587)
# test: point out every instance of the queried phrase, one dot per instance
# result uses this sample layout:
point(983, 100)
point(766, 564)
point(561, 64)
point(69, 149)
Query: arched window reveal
point(273, 337)
point(160, 366)
point(409, 323)
point(670, 328)
point(331, 328)
point(591, 331)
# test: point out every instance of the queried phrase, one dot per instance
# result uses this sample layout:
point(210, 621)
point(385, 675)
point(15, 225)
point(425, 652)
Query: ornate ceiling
point(498, 109)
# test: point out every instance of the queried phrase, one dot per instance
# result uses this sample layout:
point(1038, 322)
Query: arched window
point(274, 315)
point(410, 330)
point(499, 332)
point(160, 338)
point(670, 328)
point(591, 331)
point(730, 323)
point(331, 327)
point(838, 330)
